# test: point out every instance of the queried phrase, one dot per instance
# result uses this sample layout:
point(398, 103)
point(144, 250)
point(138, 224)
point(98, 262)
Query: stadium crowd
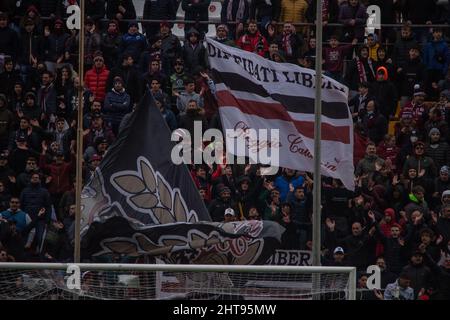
point(399, 215)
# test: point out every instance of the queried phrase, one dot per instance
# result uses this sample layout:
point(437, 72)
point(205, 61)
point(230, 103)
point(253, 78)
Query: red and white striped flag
point(257, 93)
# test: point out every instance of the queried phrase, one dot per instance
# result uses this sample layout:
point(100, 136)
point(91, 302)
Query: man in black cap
point(21, 153)
point(170, 46)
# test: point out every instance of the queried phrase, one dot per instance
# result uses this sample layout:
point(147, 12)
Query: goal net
point(40, 281)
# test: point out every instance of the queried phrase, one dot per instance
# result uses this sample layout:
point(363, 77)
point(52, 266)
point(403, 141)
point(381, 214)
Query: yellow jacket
point(373, 52)
point(293, 11)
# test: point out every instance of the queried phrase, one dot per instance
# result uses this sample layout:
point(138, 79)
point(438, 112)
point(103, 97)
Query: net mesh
point(159, 285)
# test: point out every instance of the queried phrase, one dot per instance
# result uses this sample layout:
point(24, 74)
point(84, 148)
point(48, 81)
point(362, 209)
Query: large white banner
point(256, 93)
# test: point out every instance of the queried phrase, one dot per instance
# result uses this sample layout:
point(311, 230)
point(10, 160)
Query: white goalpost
point(53, 281)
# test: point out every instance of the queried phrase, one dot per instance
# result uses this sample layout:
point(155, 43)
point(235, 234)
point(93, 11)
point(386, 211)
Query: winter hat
point(445, 193)
point(30, 94)
point(98, 53)
point(4, 99)
point(445, 169)
point(222, 26)
point(418, 91)
point(433, 130)
point(133, 24)
point(390, 212)
point(384, 71)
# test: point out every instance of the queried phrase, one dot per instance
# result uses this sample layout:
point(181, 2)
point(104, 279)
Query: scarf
point(325, 10)
point(239, 13)
point(287, 44)
point(362, 69)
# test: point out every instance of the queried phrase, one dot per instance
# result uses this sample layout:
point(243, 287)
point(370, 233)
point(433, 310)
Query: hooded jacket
point(436, 56)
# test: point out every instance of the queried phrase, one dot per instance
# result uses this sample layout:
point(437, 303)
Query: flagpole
point(79, 163)
point(317, 140)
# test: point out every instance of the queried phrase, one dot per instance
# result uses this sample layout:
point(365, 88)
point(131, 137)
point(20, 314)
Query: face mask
point(370, 113)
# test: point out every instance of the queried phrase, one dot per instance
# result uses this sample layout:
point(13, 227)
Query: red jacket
point(249, 42)
point(60, 175)
point(96, 82)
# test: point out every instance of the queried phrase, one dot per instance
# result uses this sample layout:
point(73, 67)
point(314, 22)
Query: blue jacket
point(282, 185)
point(20, 218)
point(116, 106)
point(436, 56)
point(33, 198)
point(134, 44)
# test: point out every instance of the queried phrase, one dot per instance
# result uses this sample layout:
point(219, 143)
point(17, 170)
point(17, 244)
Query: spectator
point(194, 53)
point(436, 57)
point(9, 40)
point(424, 165)
point(385, 92)
point(291, 43)
point(400, 289)
point(95, 79)
point(36, 201)
point(386, 275)
point(31, 48)
point(158, 10)
point(195, 10)
point(353, 15)
point(189, 94)
point(253, 40)
point(373, 45)
point(59, 173)
point(121, 10)
point(133, 42)
point(234, 14)
point(264, 12)
point(8, 78)
point(47, 97)
point(111, 43)
point(361, 69)
point(6, 122)
point(218, 206)
point(286, 180)
point(95, 9)
point(293, 11)
point(374, 122)
point(192, 116)
point(130, 76)
point(368, 164)
point(419, 274)
point(98, 130)
point(167, 114)
point(117, 104)
point(437, 150)
point(229, 215)
point(403, 45)
point(55, 45)
point(410, 72)
point(14, 213)
point(334, 57)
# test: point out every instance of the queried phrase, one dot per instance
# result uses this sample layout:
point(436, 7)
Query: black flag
point(139, 202)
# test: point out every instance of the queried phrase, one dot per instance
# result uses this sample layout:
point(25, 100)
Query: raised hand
point(330, 224)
